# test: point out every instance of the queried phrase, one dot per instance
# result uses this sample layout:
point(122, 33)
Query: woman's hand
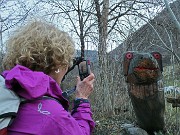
point(85, 87)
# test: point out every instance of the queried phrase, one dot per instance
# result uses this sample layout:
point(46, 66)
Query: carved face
point(142, 68)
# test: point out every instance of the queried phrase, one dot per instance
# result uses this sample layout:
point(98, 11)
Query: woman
point(38, 56)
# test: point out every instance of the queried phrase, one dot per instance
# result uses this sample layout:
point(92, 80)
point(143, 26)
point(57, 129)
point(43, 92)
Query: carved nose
point(146, 56)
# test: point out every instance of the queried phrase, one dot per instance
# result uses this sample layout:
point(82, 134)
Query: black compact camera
point(84, 69)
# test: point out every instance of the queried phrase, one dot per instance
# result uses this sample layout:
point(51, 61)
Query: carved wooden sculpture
point(142, 72)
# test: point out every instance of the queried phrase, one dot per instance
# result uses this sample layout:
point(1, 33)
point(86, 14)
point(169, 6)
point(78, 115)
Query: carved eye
point(157, 56)
point(129, 55)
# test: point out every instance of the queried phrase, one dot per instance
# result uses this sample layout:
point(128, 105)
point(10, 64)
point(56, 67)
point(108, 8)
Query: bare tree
point(14, 13)
point(102, 19)
point(110, 18)
point(78, 15)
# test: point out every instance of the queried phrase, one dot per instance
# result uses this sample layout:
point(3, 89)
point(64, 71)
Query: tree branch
point(173, 17)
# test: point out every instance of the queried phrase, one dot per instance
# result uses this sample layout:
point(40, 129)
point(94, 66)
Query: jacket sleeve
point(83, 115)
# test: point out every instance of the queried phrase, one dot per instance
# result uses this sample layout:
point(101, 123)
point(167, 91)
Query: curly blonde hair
point(39, 46)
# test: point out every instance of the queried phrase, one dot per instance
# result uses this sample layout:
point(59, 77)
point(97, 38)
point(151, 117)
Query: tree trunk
point(1, 44)
point(172, 16)
point(102, 53)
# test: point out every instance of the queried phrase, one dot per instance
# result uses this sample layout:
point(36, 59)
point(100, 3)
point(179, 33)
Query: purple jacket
point(44, 116)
